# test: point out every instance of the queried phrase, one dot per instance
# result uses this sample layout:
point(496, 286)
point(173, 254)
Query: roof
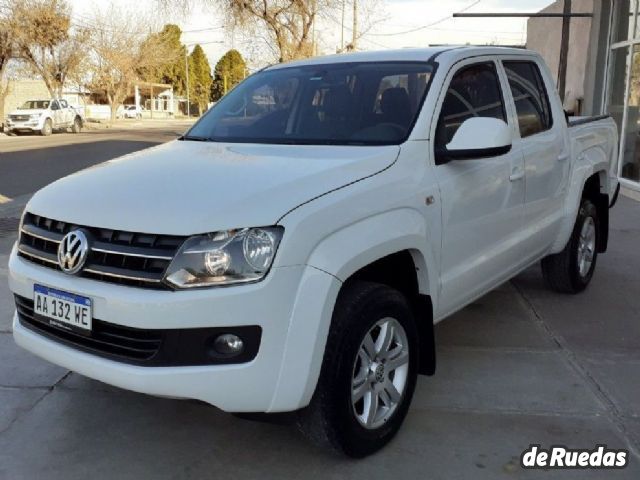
point(405, 54)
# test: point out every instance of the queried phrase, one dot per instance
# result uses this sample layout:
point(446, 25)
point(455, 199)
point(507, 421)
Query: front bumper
point(273, 304)
point(23, 126)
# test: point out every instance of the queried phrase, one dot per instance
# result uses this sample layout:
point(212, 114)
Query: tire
point(333, 419)
point(47, 128)
point(571, 270)
point(77, 125)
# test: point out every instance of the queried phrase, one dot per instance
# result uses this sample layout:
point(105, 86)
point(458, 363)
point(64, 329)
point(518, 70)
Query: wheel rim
point(586, 246)
point(380, 373)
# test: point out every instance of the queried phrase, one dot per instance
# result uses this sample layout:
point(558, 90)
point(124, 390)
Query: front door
point(482, 199)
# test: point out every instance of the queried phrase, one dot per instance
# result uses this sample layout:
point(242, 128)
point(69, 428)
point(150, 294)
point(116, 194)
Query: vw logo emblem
point(73, 251)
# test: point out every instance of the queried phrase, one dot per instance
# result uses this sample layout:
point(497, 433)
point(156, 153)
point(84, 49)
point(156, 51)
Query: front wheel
point(77, 125)
point(368, 373)
point(570, 271)
point(47, 128)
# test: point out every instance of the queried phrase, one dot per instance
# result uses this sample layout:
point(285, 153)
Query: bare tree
point(286, 26)
point(46, 42)
point(120, 50)
point(6, 54)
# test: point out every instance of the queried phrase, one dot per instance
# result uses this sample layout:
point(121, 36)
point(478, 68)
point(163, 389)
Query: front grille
point(126, 258)
point(19, 118)
point(132, 345)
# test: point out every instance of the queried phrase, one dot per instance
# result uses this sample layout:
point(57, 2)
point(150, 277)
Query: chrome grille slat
point(41, 233)
point(38, 254)
point(115, 256)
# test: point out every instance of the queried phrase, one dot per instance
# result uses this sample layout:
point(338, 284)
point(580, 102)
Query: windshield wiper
point(194, 138)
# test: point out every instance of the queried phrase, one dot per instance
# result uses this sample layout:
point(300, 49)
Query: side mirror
point(477, 137)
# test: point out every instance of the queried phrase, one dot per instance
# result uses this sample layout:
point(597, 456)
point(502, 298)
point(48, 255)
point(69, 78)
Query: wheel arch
point(400, 270)
point(589, 179)
point(594, 189)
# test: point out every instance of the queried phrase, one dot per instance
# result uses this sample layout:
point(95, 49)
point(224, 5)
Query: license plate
point(62, 309)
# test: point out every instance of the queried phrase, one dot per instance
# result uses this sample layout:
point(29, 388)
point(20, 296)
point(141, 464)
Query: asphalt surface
point(29, 162)
point(520, 366)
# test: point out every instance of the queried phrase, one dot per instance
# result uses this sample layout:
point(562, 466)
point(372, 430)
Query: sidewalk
point(521, 365)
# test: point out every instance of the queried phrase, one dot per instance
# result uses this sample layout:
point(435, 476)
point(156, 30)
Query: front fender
point(333, 260)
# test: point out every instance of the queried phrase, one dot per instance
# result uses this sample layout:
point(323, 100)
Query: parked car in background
point(43, 117)
point(132, 111)
point(294, 249)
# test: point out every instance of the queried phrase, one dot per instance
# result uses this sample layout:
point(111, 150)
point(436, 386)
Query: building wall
point(544, 36)
point(22, 90)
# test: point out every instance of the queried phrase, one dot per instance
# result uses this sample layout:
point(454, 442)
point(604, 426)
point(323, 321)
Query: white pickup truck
point(293, 251)
point(43, 117)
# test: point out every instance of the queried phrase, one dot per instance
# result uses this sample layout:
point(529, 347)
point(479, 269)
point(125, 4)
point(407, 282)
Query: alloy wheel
point(380, 373)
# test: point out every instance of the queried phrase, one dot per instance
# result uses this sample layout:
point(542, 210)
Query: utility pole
point(564, 48)
point(354, 39)
point(186, 72)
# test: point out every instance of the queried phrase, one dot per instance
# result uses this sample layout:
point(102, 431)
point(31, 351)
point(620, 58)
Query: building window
point(623, 95)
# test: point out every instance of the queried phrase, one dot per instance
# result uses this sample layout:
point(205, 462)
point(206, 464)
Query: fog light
point(228, 344)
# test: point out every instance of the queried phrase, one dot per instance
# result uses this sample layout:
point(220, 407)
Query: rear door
point(67, 115)
point(542, 138)
point(482, 199)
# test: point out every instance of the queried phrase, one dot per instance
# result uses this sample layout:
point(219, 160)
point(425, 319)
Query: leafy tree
point(173, 71)
point(45, 40)
point(230, 70)
point(199, 78)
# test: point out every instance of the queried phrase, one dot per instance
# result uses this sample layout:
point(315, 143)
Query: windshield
point(343, 104)
point(35, 105)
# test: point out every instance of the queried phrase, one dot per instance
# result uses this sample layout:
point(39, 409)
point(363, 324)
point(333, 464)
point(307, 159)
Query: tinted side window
point(530, 97)
point(474, 91)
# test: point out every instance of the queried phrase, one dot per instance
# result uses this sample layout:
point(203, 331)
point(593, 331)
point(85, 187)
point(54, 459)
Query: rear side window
point(530, 97)
point(474, 91)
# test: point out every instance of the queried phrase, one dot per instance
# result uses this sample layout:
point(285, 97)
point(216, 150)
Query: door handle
point(562, 157)
point(516, 174)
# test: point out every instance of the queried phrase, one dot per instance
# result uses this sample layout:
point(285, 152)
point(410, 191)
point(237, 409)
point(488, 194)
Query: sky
point(393, 24)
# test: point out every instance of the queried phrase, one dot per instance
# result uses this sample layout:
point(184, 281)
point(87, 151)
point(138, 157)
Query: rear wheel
point(570, 271)
point(47, 128)
point(368, 373)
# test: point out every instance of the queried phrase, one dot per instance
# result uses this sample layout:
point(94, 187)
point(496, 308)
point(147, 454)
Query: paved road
point(521, 365)
point(29, 162)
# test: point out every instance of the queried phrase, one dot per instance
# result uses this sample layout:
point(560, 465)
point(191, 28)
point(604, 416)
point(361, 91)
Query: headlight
point(224, 258)
point(35, 116)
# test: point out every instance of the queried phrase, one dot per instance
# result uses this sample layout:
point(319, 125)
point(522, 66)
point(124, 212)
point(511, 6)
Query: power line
point(443, 19)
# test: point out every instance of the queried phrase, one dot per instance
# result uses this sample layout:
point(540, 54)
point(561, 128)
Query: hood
point(186, 187)
point(28, 111)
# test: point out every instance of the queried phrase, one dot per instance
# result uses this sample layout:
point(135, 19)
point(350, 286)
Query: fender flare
point(588, 163)
point(345, 251)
